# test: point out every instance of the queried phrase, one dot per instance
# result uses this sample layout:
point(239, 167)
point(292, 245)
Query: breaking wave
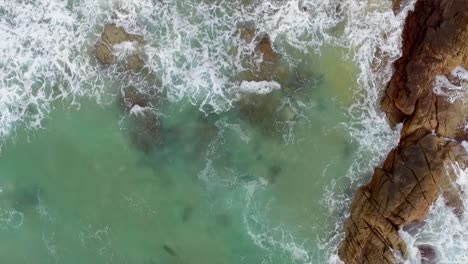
point(195, 52)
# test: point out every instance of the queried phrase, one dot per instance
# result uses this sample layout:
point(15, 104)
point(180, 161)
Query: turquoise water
point(218, 189)
point(257, 179)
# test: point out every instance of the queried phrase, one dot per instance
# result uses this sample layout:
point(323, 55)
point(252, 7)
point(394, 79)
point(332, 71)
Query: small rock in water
point(208, 109)
point(142, 123)
point(428, 254)
point(112, 36)
point(414, 227)
point(131, 97)
point(265, 48)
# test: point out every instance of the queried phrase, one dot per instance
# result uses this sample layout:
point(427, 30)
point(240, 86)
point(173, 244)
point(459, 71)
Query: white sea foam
point(369, 26)
point(273, 239)
point(444, 87)
point(261, 87)
point(10, 219)
point(465, 145)
point(46, 46)
point(446, 232)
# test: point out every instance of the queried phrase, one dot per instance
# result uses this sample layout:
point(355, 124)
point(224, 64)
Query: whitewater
point(193, 54)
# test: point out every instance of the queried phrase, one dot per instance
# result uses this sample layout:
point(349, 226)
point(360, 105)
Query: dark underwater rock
point(429, 254)
point(145, 129)
point(26, 197)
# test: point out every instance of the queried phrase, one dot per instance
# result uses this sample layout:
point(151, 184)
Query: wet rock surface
point(265, 64)
point(402, 190)
point(113, 35)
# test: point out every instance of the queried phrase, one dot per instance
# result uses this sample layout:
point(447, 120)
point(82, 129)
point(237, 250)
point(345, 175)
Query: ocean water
point(270, 184)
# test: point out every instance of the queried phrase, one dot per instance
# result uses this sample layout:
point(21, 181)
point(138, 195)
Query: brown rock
point(131, 97)
point(135, 62)
point(111, 36)
point(265, 49)
point(402, 190)
point(103, 53)
point(268, 68)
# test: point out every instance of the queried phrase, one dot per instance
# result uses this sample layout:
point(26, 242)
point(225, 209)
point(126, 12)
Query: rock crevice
point(415, 173)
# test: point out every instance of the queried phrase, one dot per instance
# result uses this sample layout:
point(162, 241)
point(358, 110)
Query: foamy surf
point(443, 231)
point(452, 90)
point(195, 51)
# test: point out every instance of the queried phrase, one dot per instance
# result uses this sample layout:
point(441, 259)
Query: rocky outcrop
point(107, 47)
point(265, 65)
point(414, 174)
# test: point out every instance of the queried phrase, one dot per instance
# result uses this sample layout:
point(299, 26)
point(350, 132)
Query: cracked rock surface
point(414, 174)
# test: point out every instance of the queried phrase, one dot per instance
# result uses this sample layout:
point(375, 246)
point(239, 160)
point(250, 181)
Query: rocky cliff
point(414, 174)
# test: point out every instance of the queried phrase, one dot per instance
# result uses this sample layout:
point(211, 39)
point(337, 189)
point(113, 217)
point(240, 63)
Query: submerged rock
point(193, 137)
point(187, 213)
point(143, 123)
point(403, 189)
point(169, 250)
point(269, 91)
point(145, 129)
point(259, 109)
point(26, 197)
point(111, 37)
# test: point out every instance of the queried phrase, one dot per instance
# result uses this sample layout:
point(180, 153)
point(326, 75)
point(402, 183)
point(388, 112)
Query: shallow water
point(219, 191)
point(221, 186)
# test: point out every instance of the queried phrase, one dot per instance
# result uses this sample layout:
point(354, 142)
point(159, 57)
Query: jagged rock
point(266, 66)
point(265, 49)
point(402, 190)
point(113, 35)
point(131, 96)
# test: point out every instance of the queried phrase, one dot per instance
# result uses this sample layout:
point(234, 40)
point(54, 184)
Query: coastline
point(414, 174)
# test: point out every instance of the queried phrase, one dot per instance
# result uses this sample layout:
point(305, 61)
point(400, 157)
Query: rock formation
point(142, 122)
point(112, 36)
point(413, 175)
